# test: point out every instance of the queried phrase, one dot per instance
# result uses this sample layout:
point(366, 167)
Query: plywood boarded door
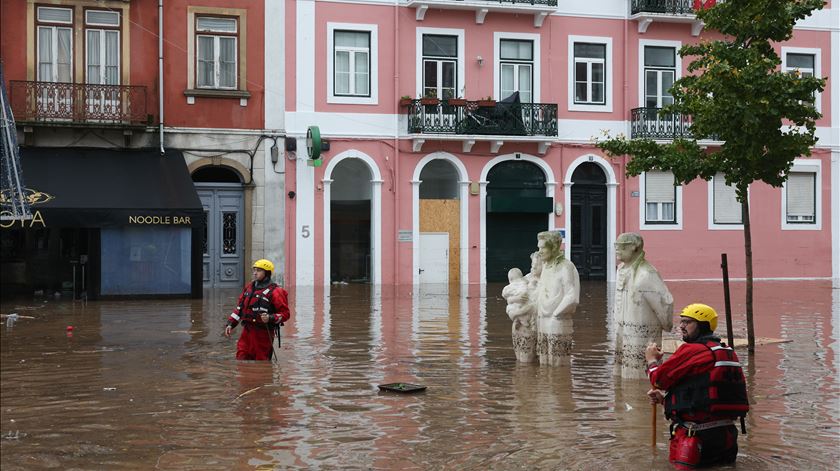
point(434, 257)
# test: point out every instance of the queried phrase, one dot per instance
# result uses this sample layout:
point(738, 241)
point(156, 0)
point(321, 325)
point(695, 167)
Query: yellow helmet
point(264, 264)
point(701, 313)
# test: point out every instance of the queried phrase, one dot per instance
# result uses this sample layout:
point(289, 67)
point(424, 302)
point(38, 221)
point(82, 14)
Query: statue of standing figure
point(521, 309)
point(643, 306)
point(557, 297)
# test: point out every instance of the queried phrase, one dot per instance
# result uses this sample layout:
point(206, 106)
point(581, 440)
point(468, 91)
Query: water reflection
point(154, 384)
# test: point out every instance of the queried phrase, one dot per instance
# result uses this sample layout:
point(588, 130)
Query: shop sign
point(33, 197)
point(161, 220)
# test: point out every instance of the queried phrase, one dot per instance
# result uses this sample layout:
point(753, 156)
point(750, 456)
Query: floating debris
point(402, 387)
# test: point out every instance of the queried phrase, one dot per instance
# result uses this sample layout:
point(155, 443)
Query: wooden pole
point(653, 425)
point(727, 305)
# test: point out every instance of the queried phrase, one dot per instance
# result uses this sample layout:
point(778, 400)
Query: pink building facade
point(418, 191)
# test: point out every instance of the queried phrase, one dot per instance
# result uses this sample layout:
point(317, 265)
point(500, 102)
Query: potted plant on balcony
point(486, 102)
point(430, 98)
point(456, 101)
point(405, 101)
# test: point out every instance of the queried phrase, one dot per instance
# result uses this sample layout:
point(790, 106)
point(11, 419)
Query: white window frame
point(216, 36)
point(535, 63)
point(54, 26)
point(805, 166)
point(641, 62)
point(678, 209)
point(241, 16)
point(460, 69)
point(607, 107)
point(713, 226)
point(817, 53)
point(101, 30)
point(373, 56)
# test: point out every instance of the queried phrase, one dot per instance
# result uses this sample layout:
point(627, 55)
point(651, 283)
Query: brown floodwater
point(153, 385)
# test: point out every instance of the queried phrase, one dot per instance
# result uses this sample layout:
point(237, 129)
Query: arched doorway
point(221, 193)
point(517, 210)
point(589, 221)
point(440, 224)
point(350, 222)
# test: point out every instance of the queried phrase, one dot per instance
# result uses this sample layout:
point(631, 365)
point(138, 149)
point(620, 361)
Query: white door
point(434, 257)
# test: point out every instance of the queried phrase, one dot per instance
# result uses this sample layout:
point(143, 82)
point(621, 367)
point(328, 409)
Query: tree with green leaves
point(735, 93)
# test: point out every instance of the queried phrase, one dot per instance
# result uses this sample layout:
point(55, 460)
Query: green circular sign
point(313, 142)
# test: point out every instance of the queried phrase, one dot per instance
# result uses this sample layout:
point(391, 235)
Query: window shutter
point(727, 207)
point(659, 187)
point(800, 194)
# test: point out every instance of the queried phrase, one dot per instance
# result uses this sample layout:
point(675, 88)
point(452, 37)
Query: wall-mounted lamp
point(480, 60)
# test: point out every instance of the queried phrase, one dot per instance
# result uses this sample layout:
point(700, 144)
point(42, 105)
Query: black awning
point(84, 187)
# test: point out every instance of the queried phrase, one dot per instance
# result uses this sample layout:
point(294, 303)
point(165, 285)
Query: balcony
point(539, 8)
point(646, 12)
point(471, 121)
point(78, 105)
point(647, 123)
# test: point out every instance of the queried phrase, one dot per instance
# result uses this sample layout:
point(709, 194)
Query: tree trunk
point(745, 215)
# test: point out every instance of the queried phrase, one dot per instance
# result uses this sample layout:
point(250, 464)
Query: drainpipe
point(397, 141)
point(160, 71)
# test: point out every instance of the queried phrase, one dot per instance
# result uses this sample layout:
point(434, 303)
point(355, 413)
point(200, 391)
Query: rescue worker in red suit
point(703, 389)
point(262, 308)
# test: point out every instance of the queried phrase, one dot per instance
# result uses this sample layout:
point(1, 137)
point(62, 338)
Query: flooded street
point(154, 384)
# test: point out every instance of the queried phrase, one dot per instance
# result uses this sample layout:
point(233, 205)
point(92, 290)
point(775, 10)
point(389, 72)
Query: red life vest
point(256, 302)
point(721, 392)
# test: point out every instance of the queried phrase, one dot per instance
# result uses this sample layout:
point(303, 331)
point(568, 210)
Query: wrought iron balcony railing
point(648, 123)
point(501, 119)
point(78, 103)
point(674, 7)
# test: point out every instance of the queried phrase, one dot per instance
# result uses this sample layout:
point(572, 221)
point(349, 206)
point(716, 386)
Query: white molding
point(463, 195)
point(607, 107)
point(821, 20)
point(275, 67)
point(612, 191)
point(550, 188)
point(375, 216)
point(817, 53)
point(805, 166)
point(678, 208)
point(373, 29)
point(304, 216)
point(381, 126)
point(537, 61)
point(585, 131)
point(834, 142)
point(835, 218)
point(305, 55)
point(641, 63)
point(462, 58)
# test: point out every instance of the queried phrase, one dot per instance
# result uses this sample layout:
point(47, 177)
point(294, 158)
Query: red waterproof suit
point(256, 340)
point(705, 388)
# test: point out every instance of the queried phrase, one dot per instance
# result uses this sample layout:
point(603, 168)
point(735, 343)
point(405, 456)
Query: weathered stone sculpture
point(643, 306)
point(557, 296)
point(521, 309)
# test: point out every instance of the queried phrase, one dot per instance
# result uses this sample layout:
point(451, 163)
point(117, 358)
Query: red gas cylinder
point(685, 450)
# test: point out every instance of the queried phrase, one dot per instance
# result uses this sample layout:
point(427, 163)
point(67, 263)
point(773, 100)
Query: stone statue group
point(541, 305)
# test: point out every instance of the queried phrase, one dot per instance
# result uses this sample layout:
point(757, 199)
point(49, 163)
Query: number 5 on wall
point(304, 232)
